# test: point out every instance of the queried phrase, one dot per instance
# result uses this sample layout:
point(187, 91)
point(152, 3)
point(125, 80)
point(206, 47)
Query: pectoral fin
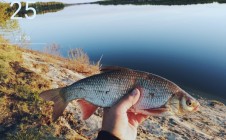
point(87, 108)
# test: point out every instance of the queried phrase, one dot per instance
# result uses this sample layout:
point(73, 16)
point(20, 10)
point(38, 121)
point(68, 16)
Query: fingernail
point(134, 92)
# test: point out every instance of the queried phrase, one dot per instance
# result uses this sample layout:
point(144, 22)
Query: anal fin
point(87, 108)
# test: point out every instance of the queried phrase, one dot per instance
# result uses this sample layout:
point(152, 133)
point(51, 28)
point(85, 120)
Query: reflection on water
point(40, 7)
point(185, 44)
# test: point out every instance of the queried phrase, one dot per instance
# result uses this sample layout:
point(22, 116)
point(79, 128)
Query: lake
point(185, 44)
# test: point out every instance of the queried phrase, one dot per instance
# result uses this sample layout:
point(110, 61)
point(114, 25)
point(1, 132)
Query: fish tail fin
point(59, 103)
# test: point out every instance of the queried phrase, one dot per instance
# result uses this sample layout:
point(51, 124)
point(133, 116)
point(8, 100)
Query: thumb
point(128, 101)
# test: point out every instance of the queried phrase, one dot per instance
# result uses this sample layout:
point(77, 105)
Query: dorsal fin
point(112, 68)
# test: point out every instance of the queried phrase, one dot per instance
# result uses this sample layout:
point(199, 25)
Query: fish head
point(182, 103)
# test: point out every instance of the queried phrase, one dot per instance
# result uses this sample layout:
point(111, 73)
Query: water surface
point(185, 44)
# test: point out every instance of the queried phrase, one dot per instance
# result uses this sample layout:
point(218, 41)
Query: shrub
point(52, 49)
point(79, 61)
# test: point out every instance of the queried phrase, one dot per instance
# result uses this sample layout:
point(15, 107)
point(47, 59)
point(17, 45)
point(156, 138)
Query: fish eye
point(188, 102)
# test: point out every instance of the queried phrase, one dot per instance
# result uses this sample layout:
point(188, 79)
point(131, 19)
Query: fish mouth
point(196, 108)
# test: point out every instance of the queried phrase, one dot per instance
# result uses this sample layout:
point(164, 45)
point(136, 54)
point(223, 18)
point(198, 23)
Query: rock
point(208, 123)
point(213, 103)
point(172, 121)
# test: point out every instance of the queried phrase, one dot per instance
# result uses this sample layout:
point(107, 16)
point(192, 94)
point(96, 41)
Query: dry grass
point(52, 49)
point(20, 105)
point(78, 55)
point(79, 61)
point(23, 114)
point(43, 55)
point(42, 67)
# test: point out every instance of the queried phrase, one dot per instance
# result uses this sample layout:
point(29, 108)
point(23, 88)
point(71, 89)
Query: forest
point(40, 7)
point(157, 2)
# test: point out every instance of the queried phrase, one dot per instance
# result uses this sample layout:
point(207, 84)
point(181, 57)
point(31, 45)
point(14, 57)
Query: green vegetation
point(23, 114)
point(5, 15)
point(40, 7)
point(157, 2)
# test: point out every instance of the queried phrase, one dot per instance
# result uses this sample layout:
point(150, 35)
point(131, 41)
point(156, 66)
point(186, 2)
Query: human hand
point(121, 123)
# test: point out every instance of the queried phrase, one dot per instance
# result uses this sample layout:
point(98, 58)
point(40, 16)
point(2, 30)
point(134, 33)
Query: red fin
point(150, 112)
point(87, 108)
point(112, 68)
point(59, 103)
point(138, 117)
point(157, 110)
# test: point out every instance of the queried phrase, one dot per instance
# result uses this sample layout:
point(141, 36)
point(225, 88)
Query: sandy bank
point(208, 123)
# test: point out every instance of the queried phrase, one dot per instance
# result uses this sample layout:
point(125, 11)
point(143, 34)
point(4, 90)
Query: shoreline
point(191, 90)
point(190, 126)
point(39, 68)
point(203, 95)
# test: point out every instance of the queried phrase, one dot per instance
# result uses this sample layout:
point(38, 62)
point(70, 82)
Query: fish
point(159, 96)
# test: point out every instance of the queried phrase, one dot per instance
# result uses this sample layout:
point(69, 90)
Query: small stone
point(172, 121)
point(213, 103)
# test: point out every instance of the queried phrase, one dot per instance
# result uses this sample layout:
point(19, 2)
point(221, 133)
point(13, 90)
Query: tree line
point(40, 7)
point(157, 2)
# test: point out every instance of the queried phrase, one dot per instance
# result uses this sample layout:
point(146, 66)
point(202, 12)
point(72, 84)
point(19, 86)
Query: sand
point(207, 124)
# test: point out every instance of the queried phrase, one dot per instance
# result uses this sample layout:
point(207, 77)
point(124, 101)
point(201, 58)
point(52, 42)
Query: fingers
point(136, 119)
point(132, 119)
point(140, 118)
point(128, 101)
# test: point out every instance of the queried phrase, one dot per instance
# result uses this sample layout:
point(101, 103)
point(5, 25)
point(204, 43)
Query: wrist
point(103, 135)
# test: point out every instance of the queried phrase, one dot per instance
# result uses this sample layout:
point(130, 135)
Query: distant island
point(157, 2)
point(40, 7)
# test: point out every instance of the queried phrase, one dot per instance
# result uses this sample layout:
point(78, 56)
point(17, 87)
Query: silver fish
point(159, 95)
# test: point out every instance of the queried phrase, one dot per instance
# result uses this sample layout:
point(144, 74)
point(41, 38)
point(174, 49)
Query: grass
point(20, 104)
point(52, 49)
point(8, 54)
point(79, 61)
point(32, 134)
point(24, 115)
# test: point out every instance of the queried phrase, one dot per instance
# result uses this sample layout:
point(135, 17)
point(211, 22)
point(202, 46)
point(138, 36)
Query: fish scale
point(158, 95)
point(107, 88)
